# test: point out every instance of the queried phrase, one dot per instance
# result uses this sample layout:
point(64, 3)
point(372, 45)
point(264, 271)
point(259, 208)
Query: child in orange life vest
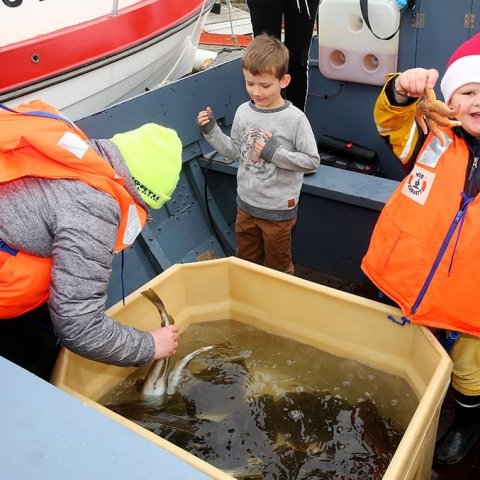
point(425, 250)
point(274, 144)
point(67, 204)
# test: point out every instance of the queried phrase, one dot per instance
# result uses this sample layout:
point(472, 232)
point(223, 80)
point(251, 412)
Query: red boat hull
point(46, 56)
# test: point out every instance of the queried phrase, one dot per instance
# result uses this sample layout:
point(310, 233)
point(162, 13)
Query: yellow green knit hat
point(153, 155)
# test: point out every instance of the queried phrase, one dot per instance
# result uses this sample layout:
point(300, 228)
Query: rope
point(167, 77)
point(234, 37)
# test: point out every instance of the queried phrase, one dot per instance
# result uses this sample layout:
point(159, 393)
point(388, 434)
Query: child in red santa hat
point(424, 253)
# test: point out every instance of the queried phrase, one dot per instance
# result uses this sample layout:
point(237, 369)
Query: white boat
point(84, 56)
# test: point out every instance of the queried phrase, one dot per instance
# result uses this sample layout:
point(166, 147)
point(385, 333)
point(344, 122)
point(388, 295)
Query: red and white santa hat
point(463, 67)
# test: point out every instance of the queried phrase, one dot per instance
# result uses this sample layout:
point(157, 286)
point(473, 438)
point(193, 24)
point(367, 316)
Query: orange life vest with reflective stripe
point(47, 147)
point(425, 249)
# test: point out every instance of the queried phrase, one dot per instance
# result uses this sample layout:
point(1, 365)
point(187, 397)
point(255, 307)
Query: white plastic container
point(348, 50)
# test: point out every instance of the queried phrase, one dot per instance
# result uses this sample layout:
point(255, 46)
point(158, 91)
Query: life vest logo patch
point(418, 184)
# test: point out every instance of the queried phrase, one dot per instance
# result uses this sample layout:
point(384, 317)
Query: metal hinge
point(469, 20)
point(418, 20)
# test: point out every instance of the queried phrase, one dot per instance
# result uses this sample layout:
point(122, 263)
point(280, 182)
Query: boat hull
point(90, 80)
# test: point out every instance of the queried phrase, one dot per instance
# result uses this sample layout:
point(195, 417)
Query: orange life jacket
point(425, 249)
point(32, 145)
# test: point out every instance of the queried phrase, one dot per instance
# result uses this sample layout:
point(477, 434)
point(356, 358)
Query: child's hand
point(259, 144)
point(412, 82)
point(204, 117)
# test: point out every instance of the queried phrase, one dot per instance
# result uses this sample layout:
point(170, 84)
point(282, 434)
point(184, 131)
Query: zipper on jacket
point(473, 168)
point(472, 186)
point(472, 183)
point(458, 217)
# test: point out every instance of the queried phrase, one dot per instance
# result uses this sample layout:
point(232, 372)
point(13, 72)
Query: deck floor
point(235, 20)
point(469, 469)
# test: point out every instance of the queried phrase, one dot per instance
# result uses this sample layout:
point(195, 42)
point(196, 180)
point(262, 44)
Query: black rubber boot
point(462, 434)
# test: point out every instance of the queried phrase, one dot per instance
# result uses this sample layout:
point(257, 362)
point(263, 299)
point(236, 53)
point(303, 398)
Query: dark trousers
point(30, 342)
point(266, 16)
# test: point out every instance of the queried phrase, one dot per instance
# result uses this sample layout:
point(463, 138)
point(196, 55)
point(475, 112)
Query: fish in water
point(176, 374)
point(155, 383)
point(159, 380)
point(157, 421)
point(230, 416)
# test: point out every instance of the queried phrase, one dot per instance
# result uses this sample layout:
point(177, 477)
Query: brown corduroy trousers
point(265, 242)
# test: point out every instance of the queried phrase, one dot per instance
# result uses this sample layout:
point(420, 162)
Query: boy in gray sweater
point(274, 144)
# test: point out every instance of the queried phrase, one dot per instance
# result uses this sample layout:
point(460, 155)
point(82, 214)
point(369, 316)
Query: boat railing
point(115, 7)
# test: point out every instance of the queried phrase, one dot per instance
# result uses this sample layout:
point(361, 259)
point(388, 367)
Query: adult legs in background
point(298, 38)
point(30, 342)
point(266, 16)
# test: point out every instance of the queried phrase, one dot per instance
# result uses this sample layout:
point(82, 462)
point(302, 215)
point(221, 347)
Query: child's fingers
point(416, 81)
point(421, 78)
point(259, 147)
point(432, 77)
point(413, 82)
point(202, 118)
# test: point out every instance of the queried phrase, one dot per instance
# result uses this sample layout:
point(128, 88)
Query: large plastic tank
point(334, 321)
